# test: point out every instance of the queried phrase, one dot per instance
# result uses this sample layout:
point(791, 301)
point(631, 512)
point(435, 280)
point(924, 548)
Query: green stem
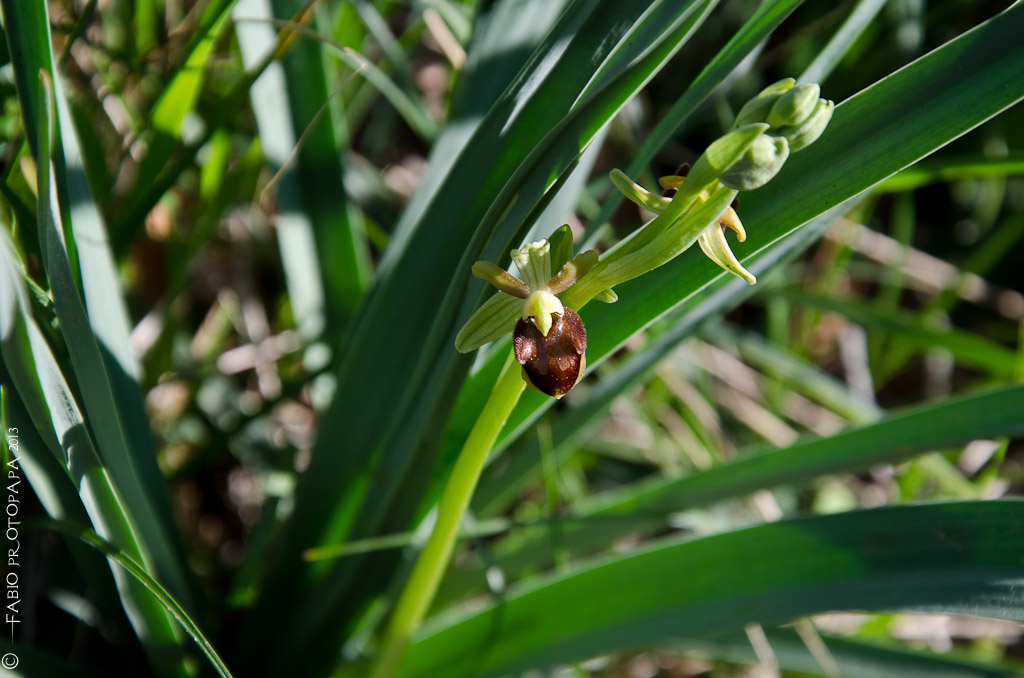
point(430, 565)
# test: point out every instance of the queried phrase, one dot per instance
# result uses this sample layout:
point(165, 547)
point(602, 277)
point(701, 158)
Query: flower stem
point(430, 565)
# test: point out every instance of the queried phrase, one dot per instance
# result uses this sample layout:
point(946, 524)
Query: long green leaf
point(50, 482)
point(959, 558)
point(642, 507)
point(139, 573)
point(57, 418)
point(98, 370)
point(28, 38)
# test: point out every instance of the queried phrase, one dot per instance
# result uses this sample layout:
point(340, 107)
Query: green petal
point(572, 271)
point(501, 279)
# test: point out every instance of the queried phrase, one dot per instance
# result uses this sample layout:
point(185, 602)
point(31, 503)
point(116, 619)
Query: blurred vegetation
point(253, 255)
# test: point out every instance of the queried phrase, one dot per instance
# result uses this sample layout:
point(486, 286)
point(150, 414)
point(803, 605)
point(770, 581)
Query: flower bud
point(553, 362)
point(758, 108)
point(759, 163)
point(808, 131)
point(793, 106)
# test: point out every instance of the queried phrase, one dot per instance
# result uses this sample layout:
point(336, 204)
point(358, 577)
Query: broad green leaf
point(957, 558)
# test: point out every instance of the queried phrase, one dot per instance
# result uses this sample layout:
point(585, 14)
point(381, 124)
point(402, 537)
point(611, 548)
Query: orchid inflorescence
point(549, 338)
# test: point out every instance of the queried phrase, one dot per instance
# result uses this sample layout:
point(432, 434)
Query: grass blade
point(140, 574)
point(959, 558)
point(56, 416)
point(897, 437)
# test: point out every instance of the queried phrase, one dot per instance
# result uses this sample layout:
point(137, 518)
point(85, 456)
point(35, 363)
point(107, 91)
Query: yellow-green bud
point(793, 106)
point(808, 131)
point(758, 108)
point(761, 161)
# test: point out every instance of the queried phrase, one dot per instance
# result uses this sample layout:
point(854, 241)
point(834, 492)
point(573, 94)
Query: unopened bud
point(807, 132)
point(794, 106)
point(758, 108)
point(761, 161)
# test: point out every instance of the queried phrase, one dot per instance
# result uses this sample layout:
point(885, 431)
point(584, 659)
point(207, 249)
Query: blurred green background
point(236, 248)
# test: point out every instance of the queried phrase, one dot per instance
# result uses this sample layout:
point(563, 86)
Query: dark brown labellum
point(552, 364)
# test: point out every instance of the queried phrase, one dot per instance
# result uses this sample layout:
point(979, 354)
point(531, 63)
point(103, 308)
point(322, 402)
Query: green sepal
point(607, 296)
point(496, 317)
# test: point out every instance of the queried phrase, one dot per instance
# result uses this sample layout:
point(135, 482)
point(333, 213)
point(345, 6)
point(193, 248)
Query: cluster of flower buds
point(549, 339)
point(794, 117)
